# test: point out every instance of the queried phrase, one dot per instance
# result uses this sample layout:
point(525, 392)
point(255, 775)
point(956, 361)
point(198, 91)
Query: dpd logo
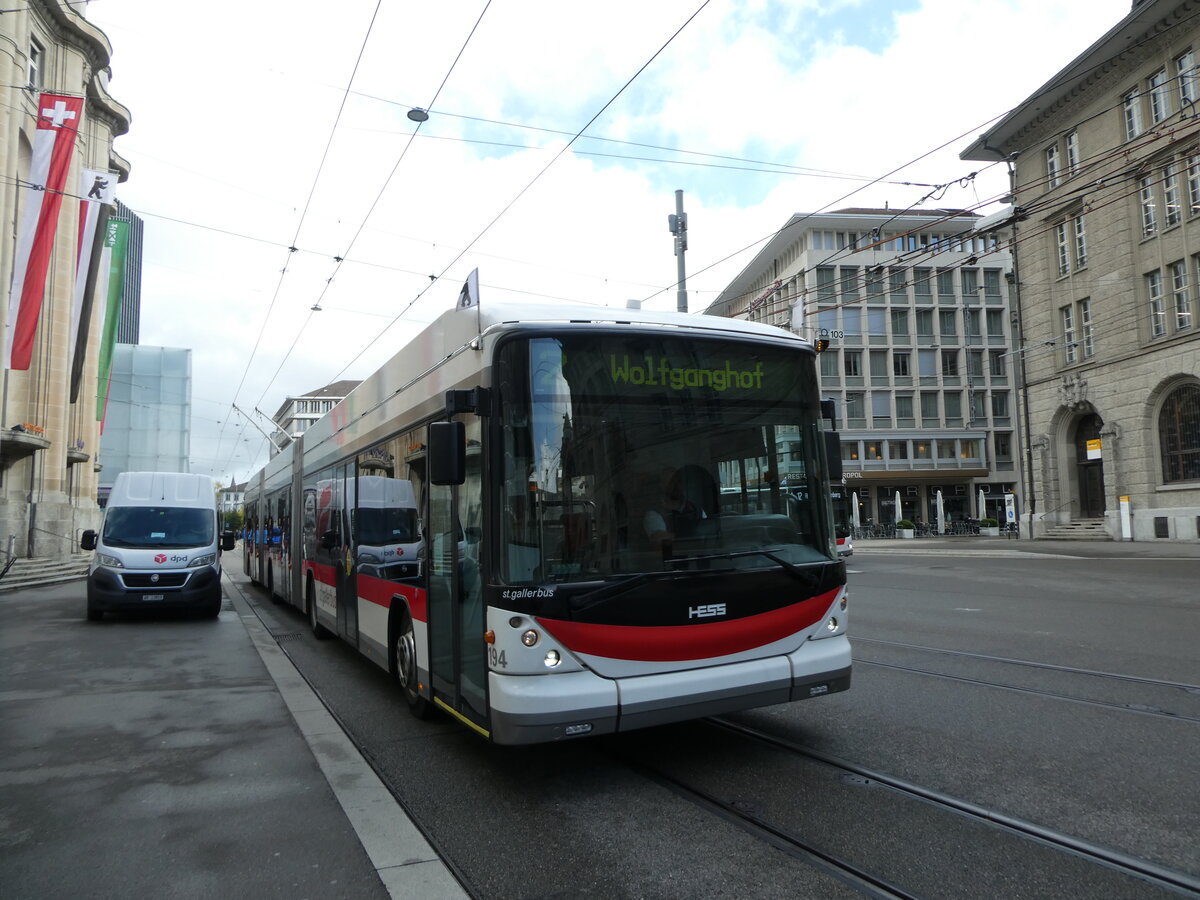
point(160, 557)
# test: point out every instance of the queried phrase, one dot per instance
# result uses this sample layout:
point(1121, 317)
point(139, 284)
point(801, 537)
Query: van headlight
point(109, 562)
point(206, 560)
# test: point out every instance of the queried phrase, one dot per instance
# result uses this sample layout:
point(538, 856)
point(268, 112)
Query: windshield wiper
point(800, 573)
point(614, 588)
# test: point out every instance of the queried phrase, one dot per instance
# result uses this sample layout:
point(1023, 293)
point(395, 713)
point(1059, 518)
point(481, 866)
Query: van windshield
point(158, 526)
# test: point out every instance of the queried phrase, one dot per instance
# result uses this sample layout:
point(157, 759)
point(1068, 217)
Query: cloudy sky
point(276, 169)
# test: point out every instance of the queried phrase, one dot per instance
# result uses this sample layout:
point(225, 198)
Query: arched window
point(1179, 434)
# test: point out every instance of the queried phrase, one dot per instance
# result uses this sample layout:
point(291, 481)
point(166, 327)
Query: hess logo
point(707, 611)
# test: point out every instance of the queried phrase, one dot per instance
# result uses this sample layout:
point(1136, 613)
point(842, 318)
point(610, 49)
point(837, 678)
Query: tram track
point(1135, 679)
point(962, 823)
point(1170, 691)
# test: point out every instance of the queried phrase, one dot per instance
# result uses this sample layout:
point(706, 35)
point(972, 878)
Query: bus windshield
point(158, 526)
point(625, 454)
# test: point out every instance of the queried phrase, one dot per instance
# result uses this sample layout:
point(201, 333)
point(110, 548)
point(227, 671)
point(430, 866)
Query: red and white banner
point(53, 145)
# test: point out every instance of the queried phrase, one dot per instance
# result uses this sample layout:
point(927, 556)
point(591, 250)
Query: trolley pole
point(678, 226)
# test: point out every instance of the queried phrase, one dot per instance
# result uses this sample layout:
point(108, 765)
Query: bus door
point(344, 567)
point(456, 614)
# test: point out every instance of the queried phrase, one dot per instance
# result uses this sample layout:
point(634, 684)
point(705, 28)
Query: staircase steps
point(1078, 530)
point(39, 572)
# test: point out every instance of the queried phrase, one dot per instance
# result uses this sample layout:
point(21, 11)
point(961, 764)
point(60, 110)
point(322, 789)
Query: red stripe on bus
point(380, 591)
point(676, 643)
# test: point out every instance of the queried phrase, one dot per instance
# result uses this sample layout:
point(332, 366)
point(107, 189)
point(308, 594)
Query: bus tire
point(404, 664)
point(271, 581)
point(320, 632)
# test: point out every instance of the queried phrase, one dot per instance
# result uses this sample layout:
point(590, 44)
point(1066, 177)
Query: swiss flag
point(58, 121)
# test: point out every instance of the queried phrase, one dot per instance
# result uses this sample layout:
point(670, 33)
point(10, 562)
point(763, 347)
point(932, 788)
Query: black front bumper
point(106, 592)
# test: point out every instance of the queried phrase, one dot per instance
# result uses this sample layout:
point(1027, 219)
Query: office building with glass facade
point(914, 308)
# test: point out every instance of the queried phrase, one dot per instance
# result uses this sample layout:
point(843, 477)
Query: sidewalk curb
point(404, 861)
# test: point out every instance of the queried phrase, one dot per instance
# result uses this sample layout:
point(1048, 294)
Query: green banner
point(116, 242)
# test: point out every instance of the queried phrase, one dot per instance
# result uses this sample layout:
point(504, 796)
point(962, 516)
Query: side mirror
point(227, 540)
point(329, 540)
point(88, 540)
point(447, 453)
point(833, 454)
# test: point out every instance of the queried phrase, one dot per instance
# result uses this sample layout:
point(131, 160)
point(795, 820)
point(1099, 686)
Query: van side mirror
point(227, 540)
point(88, 540)
point(447, 453)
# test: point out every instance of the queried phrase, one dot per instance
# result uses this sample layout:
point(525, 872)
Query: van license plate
point(152, 596)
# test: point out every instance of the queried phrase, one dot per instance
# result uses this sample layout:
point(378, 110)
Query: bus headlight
point(529, 638)
point(552, 659)
point(832, 624)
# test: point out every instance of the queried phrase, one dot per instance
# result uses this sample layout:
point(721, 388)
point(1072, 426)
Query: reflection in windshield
point(633, 454)
point(158, 526)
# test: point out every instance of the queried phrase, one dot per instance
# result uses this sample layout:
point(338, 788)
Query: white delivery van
point(159, 546)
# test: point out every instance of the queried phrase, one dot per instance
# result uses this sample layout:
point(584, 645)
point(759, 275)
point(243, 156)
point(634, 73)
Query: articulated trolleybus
point(553, 522)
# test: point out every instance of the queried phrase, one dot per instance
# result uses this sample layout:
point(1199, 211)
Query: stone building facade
point(48, 443)
point(913, 310)
point(1105, 162)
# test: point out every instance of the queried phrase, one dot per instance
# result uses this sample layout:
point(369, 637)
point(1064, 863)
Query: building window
point(946, 450)
point(1070, 344)
point(978, 416)
point(1072, 152)
point(878, 363)
point(1081, 252)
point(852, 321)
point(1085, 327)
point(825, 287)
point(829, 364)
point(904, 409)
point(1000, 405)
point(996, 364)
point(946, 324)
point(849, 281)
point(925, 323)
point(1172, 207)
point(1185, 69)
point(1063, 243)
point(1053, 167)
point(974, 363)
point(897, 449)
point(37, 59)
point(971, 323)
point(1149, 217)
point(945, 282)
point(900, 323)
point(1160, 100)
point(995, 323)
point(929, 409)
point(852, 362)
point(901, 364)
point(855, 410)
point(898, 285)
point(970, 284)
point(922, 450)
point(922, 282)
point(1158, 311)
point(1180, 296)
point(949, 363)
point(1132, 102)
point(991, 283)
point(1193, 181)
point(1002, 441)
point(1179, 434)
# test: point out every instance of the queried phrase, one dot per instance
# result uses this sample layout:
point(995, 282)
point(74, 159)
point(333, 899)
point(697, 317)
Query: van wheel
point(320, 632)
point(404, 662)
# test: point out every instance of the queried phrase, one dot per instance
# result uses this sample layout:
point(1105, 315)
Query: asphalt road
point(1057, 697)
